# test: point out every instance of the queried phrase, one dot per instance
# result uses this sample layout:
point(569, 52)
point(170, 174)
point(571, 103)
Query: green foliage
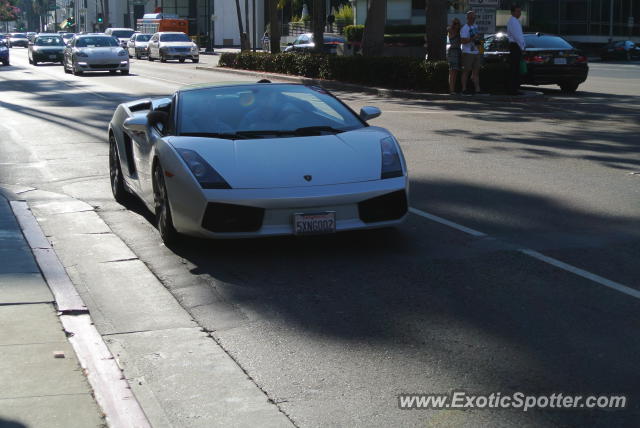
point(345, 14)
point(387, 72)
point(353, 33)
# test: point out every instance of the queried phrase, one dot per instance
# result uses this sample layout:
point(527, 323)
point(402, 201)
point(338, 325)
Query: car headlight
point(122, 53)
point(194, 48)
point(202, 171)
point(391, 164)
point(82, 54)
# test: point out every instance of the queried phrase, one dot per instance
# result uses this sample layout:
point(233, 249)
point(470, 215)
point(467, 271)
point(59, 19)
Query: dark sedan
point(623, 49)
point(18, 39)
point(305, 43)
point(551, 60)
point(46, 48)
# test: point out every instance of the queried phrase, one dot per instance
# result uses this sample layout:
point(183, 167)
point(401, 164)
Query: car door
point(144, 149)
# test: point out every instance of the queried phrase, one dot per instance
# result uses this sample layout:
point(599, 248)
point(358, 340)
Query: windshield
point(96, 42)
point(122, 34)
point(19, 36)
point(143, 37)
point(174, 38)
point(49, 41)
point(546, 42)
point(263, 111)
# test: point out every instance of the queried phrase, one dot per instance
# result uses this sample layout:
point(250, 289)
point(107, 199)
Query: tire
point(164, 220)
point(124, 72)
point(34, 62)
point(75, 71)
point(149, 57)
point(162, 58)
point(5, 63)
point(118, 188)
point(569, 87)
point(195, 60)
point(181, 60)
point(113, 71)
point(64, 66)
point(138, 56)
point(29, 59)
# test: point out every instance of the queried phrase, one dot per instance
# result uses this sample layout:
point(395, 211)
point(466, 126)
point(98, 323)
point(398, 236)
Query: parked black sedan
point(304, 43)
point(46, 48)
point(551, 60)
point(623, 49)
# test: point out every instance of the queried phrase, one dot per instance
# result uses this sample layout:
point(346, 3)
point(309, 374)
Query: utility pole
point(611, 20)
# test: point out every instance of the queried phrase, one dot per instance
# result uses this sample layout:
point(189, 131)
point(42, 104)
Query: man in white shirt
point(516, 48)
point(470, 54)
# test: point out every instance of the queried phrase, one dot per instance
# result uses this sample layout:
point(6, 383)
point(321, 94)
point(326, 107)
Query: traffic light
point(99, 18)
point(71, 22)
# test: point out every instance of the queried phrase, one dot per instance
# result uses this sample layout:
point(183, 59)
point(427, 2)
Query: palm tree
point(373, 36)
point(436, 30)
point(274, 26)
point(243, 36)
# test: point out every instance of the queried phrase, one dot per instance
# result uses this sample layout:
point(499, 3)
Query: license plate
point(559, 60)
point(52, 56)
point(314, 224)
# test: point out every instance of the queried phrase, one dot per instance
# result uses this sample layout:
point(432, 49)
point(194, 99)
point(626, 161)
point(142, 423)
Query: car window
point(174, 38)
point(546, 42)
point(143, 37)
point(49, 41)
point(272, 107)
point(122, 34)
point(96, 42)
point(19, 36)
point(496, 44)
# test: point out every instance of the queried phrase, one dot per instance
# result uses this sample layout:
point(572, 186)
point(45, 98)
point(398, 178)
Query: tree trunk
point(318, 24)
point(373, 36)
point(274, 27)
point(436, 31)
point(240, 29)
point(247, 27)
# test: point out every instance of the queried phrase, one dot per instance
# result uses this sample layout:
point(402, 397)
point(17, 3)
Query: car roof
point(119, 28)
point(171, 32)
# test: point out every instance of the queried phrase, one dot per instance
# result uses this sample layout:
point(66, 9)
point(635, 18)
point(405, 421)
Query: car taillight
point(534, 59)
point(581, 59)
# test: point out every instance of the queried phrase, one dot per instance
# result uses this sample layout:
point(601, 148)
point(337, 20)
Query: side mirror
point(136, 124)
point(368, 113)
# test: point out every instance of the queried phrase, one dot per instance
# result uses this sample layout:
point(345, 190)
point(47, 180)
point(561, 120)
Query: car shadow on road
point(499, 320)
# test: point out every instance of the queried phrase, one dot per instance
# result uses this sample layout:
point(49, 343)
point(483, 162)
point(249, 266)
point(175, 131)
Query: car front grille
point(391, 206)
point(232, 218)
point(181, 49)
point(104, 65)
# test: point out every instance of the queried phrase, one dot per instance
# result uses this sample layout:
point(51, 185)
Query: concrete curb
point(529, 96)
point(110, 388)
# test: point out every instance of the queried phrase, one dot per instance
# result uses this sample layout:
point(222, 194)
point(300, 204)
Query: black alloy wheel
point(164, 220)
point(181, 60)
point(569, 87)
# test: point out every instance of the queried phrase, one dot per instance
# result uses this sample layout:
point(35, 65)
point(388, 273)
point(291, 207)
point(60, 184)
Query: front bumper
point(552, 74)
point(171, 54)
point(103, 65)
point(47, 57)
point(273, 209)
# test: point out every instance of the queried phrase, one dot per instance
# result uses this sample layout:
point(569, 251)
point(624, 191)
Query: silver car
point(172, 45)
point(137, 45)
point(95, 52)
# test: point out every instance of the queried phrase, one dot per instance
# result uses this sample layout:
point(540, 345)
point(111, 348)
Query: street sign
point(485, 19)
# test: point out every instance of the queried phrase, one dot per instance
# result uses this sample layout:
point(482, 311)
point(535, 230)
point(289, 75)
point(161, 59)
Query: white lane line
point(446, 222)
point(583, 273)
point(537, 255)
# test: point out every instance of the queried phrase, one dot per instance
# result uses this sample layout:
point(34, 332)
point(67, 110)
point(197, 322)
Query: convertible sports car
point(238, 160)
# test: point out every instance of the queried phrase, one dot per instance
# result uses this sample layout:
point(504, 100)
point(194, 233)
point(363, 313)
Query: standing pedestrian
point(454, 54)
point(516, 47)
point(470, 55)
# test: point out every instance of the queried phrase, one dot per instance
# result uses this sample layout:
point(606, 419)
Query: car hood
point(349, 157)
point(176, 44)
point(102, 51)
point(48, 48)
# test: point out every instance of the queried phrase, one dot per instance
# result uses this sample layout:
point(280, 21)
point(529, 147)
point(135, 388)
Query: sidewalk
point(42, 382)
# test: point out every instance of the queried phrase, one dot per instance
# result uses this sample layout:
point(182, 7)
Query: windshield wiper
point(224, 136)
point(314, 130)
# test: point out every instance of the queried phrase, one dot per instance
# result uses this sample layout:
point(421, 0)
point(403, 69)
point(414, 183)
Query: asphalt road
point(332, 329)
